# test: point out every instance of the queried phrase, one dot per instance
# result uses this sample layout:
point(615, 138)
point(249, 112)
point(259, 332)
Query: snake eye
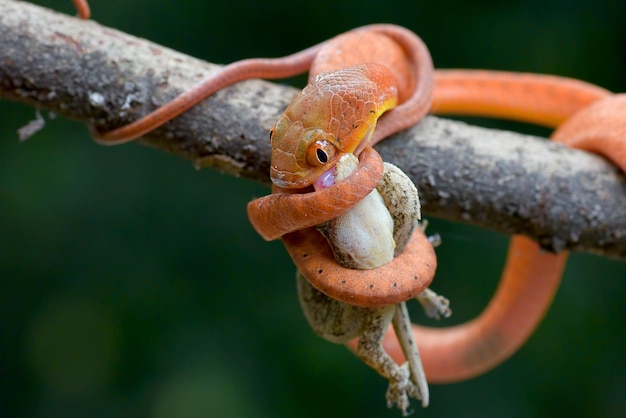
point(319, 153)
point(271, 134)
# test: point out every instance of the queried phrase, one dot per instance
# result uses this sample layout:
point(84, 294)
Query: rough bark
point(566, 199)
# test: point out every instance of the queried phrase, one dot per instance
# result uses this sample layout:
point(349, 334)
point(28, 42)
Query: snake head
point(335, 114)
point(300, 155)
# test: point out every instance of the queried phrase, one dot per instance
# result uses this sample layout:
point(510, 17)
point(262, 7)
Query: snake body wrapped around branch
point(391, 58)
point(306, 148)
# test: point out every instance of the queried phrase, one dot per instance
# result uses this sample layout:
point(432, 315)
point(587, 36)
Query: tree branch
point(566, 199)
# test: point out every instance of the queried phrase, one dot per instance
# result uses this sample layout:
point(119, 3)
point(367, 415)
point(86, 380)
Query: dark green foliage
point(132, 285)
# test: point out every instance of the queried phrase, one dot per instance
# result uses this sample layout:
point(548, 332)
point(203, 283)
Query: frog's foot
point(435, 306)
point(401, 389)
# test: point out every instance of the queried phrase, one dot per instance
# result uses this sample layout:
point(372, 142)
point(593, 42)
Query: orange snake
point(583, 113)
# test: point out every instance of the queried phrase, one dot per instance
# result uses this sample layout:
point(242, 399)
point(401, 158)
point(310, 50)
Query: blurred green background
point(132, 285)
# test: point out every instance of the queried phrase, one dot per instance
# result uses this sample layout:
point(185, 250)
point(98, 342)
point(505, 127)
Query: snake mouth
point(289, 179)
point(300, 180)
point(285, 184)
point(365, 141)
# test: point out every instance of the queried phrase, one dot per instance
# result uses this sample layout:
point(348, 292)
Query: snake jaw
point(297, 178)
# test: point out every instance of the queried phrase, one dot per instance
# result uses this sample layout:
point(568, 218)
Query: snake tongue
point(326, 180)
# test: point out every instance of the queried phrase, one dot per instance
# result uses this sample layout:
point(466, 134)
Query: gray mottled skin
point(376, 222)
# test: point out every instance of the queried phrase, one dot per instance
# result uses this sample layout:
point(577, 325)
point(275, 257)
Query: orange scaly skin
point(336, 113)
point(82, 7)
point(588, 118)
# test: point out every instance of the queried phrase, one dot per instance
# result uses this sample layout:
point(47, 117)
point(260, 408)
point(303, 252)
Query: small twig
point(565, 199)
point(32, 127)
